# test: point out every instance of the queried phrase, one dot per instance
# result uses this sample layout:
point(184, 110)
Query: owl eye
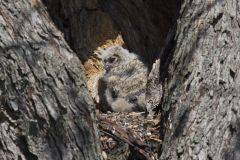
point(112, 60)
point(133, 99)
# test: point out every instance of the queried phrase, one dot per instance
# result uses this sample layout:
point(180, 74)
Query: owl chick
point(123, 86)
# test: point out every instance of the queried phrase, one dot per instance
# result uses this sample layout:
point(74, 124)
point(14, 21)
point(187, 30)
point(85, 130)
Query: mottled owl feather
point(124, 80)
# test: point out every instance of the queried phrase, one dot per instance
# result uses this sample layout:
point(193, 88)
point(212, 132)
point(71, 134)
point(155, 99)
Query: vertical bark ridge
point(202, 91)
point(46, 111)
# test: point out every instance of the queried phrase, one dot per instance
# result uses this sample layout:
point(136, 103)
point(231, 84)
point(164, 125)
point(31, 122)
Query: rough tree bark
point(201, 94)
point(45, 109)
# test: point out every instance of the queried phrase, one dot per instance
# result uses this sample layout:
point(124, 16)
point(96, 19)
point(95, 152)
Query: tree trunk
point(201, 116)
point(46, 112)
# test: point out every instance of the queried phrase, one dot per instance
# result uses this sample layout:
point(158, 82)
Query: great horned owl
point(122, 88)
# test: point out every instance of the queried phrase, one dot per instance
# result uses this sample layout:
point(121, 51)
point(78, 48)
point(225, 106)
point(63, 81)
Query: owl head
point(116, 55)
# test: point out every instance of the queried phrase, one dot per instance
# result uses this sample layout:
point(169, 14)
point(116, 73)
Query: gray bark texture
point(46, 112)
point(201, 114)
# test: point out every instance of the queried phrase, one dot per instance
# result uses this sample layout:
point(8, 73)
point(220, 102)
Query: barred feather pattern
point(125, 80)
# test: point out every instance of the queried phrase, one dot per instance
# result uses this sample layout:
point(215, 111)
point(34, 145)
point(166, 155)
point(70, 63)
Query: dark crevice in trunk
point(23, 145)
point(144, 25)
point(167, 53)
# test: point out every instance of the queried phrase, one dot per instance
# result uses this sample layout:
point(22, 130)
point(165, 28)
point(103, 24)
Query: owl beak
point(107, 68)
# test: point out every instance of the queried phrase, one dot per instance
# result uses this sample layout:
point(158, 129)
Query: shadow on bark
point(233, 153)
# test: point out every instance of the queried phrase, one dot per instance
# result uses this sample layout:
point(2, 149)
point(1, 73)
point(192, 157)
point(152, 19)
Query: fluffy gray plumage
point(123, 86)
